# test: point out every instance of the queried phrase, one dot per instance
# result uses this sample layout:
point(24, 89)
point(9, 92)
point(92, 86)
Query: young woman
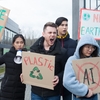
point(87, 47)
point(11, 86)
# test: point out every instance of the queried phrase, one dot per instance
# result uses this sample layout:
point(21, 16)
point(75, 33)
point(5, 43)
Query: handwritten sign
point(4, 12)
point(38, 69)
point(89, 23)
point(88, 72)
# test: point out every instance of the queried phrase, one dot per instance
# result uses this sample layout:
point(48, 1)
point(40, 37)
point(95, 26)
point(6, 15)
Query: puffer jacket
point(11, 86)
point(68, 44)
point(60, 60)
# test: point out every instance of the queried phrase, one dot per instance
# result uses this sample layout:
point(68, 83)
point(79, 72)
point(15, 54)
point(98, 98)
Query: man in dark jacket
point(49, 45)
point(67, 43)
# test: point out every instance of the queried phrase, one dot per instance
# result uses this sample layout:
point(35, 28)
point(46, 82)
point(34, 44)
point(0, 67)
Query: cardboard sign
point(88, 72)
point(89, 23)
point(4, 12)
point(38, 69)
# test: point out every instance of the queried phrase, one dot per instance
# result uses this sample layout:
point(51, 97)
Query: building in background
point(11, 29)
point(76, 6)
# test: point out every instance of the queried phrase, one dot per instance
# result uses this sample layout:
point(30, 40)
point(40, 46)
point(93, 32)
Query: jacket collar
point(39, 48)
point(62, 37)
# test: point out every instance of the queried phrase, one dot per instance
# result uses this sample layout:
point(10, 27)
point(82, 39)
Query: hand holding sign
point(35, 68)
point(90, 93)
point(88, 72)
point(21, 77)
point(55, 80)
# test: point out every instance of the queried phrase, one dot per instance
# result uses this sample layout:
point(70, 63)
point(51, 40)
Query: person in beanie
point(67, 43)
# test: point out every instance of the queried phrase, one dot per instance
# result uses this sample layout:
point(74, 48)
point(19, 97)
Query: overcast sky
point(33, 14)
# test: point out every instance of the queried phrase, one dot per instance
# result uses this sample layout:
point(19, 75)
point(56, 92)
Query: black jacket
point(60, 60)
point(70, 45)
point(11, 86)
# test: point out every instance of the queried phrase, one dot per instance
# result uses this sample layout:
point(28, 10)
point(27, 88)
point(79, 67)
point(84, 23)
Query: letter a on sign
point(87, 71)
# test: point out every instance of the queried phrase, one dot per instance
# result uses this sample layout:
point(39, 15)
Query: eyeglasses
point(90, 47)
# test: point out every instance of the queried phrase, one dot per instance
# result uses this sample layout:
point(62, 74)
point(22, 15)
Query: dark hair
point(16, 36)
point(94, 54)
point(51, 24)
point(60, 20)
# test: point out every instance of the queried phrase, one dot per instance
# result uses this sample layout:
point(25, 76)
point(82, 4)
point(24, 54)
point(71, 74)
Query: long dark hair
point(94, 54)
point(16, 36)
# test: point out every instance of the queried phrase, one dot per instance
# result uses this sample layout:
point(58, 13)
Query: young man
point(67, 43)
point(49, 45)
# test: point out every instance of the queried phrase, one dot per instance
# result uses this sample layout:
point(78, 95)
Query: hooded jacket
point(73, 84)
point(60, 60)
point(11, 86)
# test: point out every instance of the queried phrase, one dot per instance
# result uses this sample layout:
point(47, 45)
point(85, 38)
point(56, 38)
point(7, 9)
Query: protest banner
point(89, 23)
point(88, 72)
point(38, 69)
point(4, 12)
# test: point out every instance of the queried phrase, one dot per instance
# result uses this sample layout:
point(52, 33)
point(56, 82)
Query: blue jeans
point(36, 97)
point(94, 97)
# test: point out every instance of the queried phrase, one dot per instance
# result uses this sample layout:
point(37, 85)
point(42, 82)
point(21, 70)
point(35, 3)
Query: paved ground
point(28, 92)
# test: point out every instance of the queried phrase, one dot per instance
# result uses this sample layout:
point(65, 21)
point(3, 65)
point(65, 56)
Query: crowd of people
point(56, 41)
